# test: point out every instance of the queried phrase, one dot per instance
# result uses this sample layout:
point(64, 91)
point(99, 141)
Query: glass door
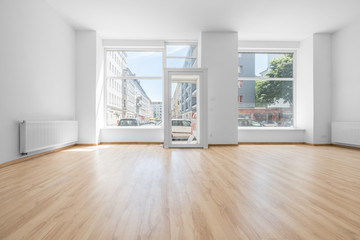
point(185, 113)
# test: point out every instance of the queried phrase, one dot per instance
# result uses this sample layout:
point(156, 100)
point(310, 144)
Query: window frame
point(107, 78)
point(293, 79)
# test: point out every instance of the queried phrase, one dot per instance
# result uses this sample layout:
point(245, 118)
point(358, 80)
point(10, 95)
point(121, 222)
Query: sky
point(261, 63)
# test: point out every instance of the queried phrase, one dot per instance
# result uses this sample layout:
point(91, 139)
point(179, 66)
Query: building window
point(135, 81)
point(265, 89)
point(240, 69)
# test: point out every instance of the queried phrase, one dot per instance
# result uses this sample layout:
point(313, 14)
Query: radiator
point(41, 135)
point(346, 133)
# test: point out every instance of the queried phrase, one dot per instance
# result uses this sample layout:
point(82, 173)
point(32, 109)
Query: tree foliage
point(270, 92)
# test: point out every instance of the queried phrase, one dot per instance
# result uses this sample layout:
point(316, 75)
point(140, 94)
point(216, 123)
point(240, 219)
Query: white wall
point(346, 82)
point(132, 135)
point(305, 89)
point(86, 78)
point(314, 88)
point(37, 67)
point(268, 44)
point(89, 86)
point(271, 135)
point(100, 88)
point(322, 88)
point(219, 55)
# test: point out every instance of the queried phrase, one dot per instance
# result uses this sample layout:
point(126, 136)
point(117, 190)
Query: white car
point(180, 129)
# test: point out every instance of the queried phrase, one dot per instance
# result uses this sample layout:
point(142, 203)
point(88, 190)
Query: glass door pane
point(184, 121)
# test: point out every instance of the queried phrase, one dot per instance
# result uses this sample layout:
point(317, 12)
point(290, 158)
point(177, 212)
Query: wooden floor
point(147, 192)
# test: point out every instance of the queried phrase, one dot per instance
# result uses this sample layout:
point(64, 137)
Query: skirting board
point(34, 156)
point(270, 143)
point(222, 145)
point(126, 143)
point(346, 146)
point(86, 145)
point(160, 143)
point(319, 145)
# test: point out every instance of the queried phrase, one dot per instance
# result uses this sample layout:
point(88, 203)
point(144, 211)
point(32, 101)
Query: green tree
point(270, 92)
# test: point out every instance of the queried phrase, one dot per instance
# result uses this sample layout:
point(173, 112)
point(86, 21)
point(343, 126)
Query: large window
point(134, 88)
point(265, 89)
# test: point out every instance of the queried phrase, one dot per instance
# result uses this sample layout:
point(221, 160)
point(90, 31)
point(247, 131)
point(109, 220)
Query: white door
point(185, 108)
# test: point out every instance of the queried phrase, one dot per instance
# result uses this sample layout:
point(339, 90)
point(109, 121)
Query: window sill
point(133, 128)
point(270, 129)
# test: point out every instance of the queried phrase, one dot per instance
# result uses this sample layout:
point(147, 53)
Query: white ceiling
point(184, 19)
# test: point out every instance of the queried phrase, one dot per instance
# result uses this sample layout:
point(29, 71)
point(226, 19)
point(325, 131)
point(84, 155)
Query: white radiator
point(41, 135)
point(346, 133)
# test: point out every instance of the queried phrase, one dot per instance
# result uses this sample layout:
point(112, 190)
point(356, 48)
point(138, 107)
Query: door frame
point(203, 92)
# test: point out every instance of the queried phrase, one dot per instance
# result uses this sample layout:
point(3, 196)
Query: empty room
point(179, 120)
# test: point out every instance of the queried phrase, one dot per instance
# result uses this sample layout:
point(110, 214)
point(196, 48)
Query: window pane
point(180, 62)
point(133, 102)
point(181, 50)
point(266, 65)
point(265, 104)
point(134, 63)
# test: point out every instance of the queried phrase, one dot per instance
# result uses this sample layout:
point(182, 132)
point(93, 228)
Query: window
point(181, 55)
point(134, 88)
point(240, 69)
point(265, 89)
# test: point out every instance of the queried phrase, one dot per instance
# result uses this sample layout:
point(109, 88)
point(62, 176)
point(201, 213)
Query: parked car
point(180, 129)
point(269, 124)
point(245, 122)
point(126, 122)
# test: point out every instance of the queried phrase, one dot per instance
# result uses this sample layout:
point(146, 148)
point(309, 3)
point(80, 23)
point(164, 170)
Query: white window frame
point(201, 100)
point(107, 78)
point(293, 79)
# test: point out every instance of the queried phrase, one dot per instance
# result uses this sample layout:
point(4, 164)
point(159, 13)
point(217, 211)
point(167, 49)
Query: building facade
point(175, 103)
point(115, 65)
point(157, 109)
point(246, 89)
